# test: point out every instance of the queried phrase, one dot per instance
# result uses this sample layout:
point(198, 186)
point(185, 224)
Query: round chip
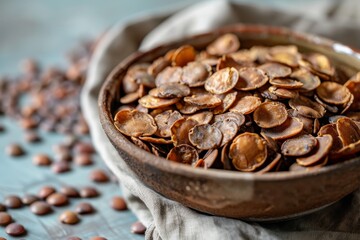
point(333, 93)
point(204, 100)
point(180, 131)
point(225, 44)
point(228, 129)
point(330, 129)
point(243, 56)
point(183, 154)
point(348, 131)
point(323, 148)
point(227, 62)
point(310, 81)
point(183, 55)
point(236, 117)
point(248, 151)
point(225, 158)
point(251, 78)
point(345, 152)
point(284, 57)
point(270, 114)
point(227, 100)
point(156, 140)
point(129, 98)
point(158, 65)
point(321, 63)
point(187, 108)
point(291, 127)
point(272, 165)
point(275, 70)
point(307, 107)
point(308, 122)
point(348, 105)
point(287, 83)
point(195, 74)
point(299, 146)
point(169, 75)
point(140, 144)
point(353, 84)
point(210, 158)
point(134, 123)
point(331, 108)
point(170, 90)
point(202, 117)
point(154, 102)
point(245, 105)
point(133, 74)
point(283, 93)
point(205, 136)
point(222, 81)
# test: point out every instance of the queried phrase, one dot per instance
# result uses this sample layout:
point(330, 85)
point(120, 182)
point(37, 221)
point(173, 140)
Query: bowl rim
point(122, 143)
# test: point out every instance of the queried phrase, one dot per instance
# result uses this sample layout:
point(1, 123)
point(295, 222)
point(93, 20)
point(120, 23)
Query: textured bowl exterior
point(234, 194)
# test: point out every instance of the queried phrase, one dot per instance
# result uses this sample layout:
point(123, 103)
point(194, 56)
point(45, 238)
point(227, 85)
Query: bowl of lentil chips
point(247, 121)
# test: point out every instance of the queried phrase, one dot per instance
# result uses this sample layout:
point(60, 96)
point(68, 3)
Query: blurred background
point(45, 30)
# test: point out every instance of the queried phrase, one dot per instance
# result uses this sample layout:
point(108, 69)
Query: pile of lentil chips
point(261, 109)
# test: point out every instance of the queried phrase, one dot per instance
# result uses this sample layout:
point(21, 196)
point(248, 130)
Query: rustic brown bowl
point(228, 193)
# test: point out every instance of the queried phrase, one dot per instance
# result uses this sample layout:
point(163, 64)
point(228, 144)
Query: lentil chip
point(291, 127)
point(180, 130)
point(270, 114)
point(183, 154)
point(195, 74)
point(205, 136)
point(183, 55)
point(275, 70)
point(245, 105)
point(323, 148)
point(228, 128)
point(248, 151)
point(333, 93)
point(251, 78)
point(135, 123)
point(170, 90)
point(164, 121)
point(348, 131)
point(225, 44)
point(222, 81)
point(299, 146)
point(151, 102)
point(307, 107)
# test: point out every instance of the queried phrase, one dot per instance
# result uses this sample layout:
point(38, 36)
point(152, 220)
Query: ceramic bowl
point(270, 196)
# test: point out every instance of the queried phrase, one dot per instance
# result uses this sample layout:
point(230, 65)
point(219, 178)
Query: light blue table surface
point(46, 30)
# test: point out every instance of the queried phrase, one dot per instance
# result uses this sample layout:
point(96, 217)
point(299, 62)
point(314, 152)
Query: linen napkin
point(166, 219)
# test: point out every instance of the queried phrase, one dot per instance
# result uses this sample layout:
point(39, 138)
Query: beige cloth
point(166, 219)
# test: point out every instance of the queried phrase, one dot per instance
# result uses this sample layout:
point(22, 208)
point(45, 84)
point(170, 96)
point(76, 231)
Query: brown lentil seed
point(46, 191)
point(84, 208)
point(57, 199)
point(83, 159)
point(15, 150)
point(60, 167)
point(40, 208)
point(89, 192)
point(15, 229)
point(69, 217)
point(138, 228)
point(5, 219)
point(2, 208)
point(118, 203)
point(99, 176)
point(70, 192)
point(13, 201)
point(28, 199)
point(41, 160)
